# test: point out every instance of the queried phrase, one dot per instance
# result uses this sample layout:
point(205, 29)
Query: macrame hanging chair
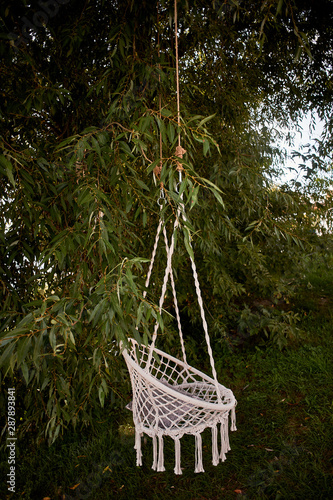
point(170, 397)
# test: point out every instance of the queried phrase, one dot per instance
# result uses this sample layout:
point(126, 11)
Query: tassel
point(233, 419)
point(160, 463)
point(224, 439)
point(198, 454)
point(154, 466)
point(226, 436)
point(137, 447)
point(177, 469)
point(215, 449)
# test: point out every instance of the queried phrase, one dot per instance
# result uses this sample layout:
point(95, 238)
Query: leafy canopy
point(79, 130)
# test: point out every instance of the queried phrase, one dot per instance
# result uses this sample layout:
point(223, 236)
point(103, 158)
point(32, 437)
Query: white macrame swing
point(170, 397)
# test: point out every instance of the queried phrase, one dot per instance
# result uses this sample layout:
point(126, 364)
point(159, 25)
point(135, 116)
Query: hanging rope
point(177, 71)
point(169, 272)
point(179, 150)
point(170, 398)
point(170, 250)
point(158, 168)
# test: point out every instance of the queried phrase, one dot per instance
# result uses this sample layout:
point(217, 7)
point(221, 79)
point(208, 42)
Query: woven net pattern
point(172, 398)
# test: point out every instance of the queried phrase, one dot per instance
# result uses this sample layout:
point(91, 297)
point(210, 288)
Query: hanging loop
point(161, 201)
point(180, 180)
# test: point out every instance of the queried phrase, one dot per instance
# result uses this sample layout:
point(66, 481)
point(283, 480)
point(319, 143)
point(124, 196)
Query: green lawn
point(282, 449)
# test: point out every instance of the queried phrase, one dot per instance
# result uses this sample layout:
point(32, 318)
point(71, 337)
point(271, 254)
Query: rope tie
point(180, 151)
point(157, 172)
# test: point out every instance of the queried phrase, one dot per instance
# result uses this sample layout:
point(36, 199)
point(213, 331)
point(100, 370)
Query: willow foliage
point(80, 127)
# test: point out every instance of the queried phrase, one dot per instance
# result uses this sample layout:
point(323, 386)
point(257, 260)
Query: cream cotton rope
point(170, 397)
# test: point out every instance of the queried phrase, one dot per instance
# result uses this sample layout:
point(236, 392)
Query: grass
point(282, 449)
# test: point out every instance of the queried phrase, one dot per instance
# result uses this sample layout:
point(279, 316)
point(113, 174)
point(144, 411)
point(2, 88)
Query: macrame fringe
point(215, 449)
point(137, 447)
point(154, 466)
point(233, 419)
point(158, 451)
point(225, 447)
point(198, 454)
point(160, 463)
point(177, 469)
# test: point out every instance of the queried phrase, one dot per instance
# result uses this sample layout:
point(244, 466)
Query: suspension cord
point(158, 168)
point(177, 71)
point(179, 150)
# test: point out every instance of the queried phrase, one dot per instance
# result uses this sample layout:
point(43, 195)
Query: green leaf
point(205, 120)
point(52, 338)
point(141, 184)
point(96, 146)
point(101, 395)
point(194, 196)
point(22, 349)
point(125, 147)
point(6, 355)
point(171, 132)
point(9, 169)
point(25, 372)
point(206, 146)
point(218, 197)
point(166, 112)
point(144, 218)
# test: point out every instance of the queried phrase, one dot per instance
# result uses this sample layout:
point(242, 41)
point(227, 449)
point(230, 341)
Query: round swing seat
point(172, 395)
point(171, 398)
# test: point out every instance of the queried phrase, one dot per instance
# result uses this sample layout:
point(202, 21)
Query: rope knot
point(180, 151)
point(157, 170)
